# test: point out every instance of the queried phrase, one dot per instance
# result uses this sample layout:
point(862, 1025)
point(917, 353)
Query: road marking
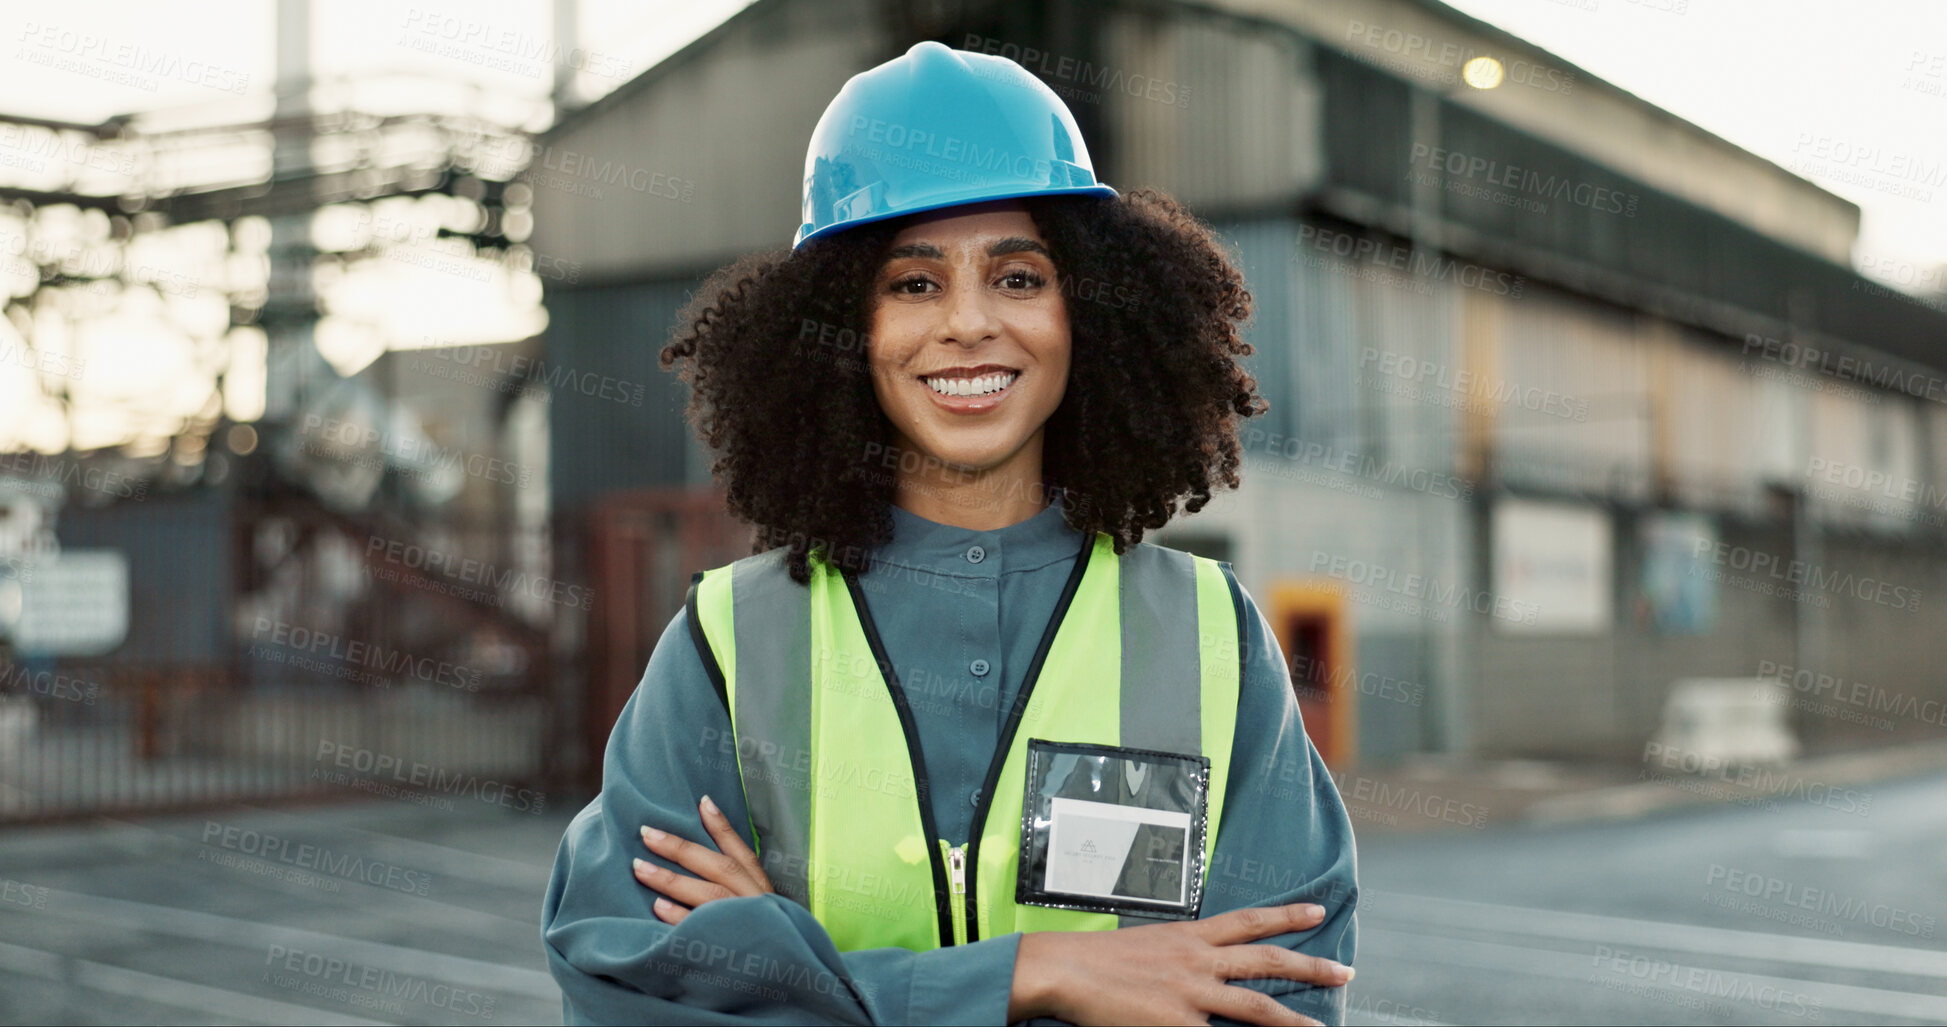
point(33, 962)
point(1363, 1019)
point(1823, 843)
point(322, 827)
point(1720, 985)
point(501, 978)
point(1621, 931)
point(198, 998)
point(434, 910)
point(448, 860)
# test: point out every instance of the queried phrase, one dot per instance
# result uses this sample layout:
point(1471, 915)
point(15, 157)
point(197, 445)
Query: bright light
point(1482, 72)
point(242, 439)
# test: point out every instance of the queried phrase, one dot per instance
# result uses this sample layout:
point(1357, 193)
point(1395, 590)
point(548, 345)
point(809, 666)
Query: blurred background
point(1601, 509)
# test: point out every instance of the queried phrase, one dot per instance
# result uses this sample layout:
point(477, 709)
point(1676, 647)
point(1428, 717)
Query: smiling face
point(970, 340)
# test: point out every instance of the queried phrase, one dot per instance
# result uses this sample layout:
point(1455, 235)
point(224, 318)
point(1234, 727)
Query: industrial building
point(1571, 399)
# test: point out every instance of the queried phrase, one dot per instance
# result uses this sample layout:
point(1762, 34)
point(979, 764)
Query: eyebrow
point(1016, 244)
point(1011, 244)
point(916, 249)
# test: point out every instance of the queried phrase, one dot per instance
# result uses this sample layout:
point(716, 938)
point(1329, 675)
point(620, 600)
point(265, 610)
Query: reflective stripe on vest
point(826, 748)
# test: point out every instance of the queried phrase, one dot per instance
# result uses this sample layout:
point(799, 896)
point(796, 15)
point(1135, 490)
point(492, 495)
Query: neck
point(980, 500)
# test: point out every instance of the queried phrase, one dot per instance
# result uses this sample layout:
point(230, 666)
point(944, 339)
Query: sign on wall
point(1554, 560)
point(1680, 598)
point(75, 604)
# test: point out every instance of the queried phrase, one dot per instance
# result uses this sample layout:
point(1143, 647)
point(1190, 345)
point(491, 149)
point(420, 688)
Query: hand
point(732, 871)
point(1168, 973)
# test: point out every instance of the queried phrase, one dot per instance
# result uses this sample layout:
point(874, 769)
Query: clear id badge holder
point(1112, 830)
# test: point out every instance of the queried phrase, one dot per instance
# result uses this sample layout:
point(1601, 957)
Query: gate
point(642, 548)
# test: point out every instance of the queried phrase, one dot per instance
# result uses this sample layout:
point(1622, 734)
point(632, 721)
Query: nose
point(968, 317)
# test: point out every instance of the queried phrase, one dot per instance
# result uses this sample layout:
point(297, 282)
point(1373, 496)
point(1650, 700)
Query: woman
point(1001, 759)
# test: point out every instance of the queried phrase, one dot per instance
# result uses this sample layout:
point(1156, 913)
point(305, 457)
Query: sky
point(232, 43)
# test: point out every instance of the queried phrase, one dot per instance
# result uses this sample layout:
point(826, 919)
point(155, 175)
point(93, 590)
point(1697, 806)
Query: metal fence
point(338, 667)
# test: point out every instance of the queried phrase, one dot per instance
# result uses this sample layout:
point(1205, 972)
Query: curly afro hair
point(774, 350)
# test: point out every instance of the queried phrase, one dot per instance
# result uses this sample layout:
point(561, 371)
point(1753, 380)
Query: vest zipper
point(967, 915)
point(956, 872)
point(959, 921)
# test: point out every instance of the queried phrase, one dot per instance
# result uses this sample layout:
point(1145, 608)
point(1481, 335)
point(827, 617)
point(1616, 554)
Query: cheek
point(1062, 350)
point(1054, 346)
point(886, 349)
point(1054, 336)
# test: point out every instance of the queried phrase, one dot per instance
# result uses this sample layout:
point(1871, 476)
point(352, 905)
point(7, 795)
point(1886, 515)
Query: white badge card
point(1109, 829)
point(1108, 851)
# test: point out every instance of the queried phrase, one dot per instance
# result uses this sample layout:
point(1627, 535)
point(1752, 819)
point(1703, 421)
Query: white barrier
point(1729, 721)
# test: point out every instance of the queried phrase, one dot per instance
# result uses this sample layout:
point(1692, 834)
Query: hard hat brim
point(806, 234)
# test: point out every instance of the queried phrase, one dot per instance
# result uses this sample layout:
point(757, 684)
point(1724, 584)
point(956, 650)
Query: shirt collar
point(1028, 545)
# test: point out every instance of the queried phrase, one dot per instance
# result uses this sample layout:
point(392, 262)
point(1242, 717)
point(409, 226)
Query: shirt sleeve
point(752, 960)
point(1285, 836)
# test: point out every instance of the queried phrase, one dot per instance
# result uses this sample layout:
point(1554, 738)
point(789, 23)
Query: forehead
point(969, 225)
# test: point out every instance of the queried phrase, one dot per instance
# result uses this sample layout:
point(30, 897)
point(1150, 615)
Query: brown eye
point(1022, 279)
point(911, 285)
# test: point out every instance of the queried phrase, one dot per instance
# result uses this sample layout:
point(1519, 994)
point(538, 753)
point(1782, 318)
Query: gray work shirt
point(960, 613)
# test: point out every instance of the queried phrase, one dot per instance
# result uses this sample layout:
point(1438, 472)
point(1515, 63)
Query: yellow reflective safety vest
point(1143, 652)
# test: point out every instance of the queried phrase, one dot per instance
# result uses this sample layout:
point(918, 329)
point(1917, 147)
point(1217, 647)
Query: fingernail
point(710, 807)
point(652, 835)
point(642, 866)
point(1314, 909)
point(664, 906)
point(1345, 973)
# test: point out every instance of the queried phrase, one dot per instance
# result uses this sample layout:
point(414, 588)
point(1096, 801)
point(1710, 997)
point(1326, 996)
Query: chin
point(969, 454)
point(967, 461)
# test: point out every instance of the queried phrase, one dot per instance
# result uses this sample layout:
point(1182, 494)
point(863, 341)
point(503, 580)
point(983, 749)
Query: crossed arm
point(1159, 973)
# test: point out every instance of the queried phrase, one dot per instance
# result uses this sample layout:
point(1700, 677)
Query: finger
point(687, 890)
point(1247, 1006)
point(731, 844)
point(669, 912)
point(1245, 925)
point(1258, 962)
point(701, 860)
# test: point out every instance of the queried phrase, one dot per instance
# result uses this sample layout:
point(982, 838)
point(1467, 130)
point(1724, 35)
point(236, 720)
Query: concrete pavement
point(1510, 892)
point(1435, 793)
point(367, 912)
point(1816, 908)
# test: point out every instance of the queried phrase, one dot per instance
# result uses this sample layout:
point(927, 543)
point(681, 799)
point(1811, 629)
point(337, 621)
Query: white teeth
point(981, 386)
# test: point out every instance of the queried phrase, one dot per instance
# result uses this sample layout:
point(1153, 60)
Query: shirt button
point(976, 554)
point(979, 668)
point(974, 799)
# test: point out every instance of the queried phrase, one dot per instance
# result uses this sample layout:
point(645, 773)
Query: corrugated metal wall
point(1234, 123)
point(1867, 462)
point(1724, 432)
point(1331, 470)
point(1568, 394)
point(1581, 401)
point(598, 445)
point(726, 126)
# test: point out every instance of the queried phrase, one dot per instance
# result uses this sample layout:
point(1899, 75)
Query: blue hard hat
point(936, 128)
